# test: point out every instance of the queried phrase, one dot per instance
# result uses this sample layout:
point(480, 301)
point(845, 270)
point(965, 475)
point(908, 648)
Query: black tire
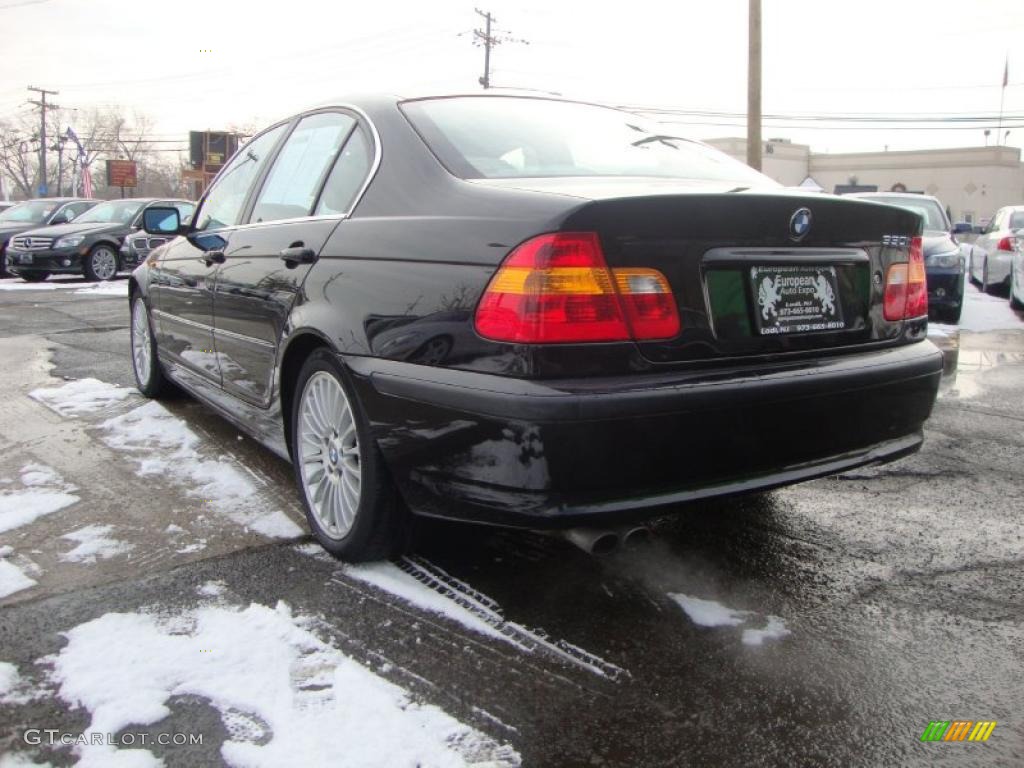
point(985, 287)
point(380, 527)
point(34, 277)
point(951, 316)
point(152, 383)
point(96, 265)
point(1015, 302)
point(970, 270)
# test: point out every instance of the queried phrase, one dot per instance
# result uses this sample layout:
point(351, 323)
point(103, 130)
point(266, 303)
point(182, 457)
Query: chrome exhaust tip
point(593, 541)
point(634, 536)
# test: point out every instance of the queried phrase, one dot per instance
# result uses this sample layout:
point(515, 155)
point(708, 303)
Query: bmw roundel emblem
point(800, 223)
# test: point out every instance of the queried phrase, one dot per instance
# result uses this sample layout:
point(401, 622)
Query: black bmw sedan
point(89, 246)
point(531, 312)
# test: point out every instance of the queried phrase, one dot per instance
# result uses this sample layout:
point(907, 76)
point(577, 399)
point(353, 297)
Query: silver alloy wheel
point(328, 453)
point(141, 351)
point(104, 263)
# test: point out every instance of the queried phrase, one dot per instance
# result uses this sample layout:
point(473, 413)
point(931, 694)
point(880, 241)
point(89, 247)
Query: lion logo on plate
point(800, 223)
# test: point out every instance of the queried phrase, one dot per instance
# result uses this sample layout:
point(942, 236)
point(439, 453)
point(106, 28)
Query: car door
point(986, 242)
point(291, 218)
point(182, 282)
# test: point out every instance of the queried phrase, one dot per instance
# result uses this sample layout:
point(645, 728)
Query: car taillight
point(1006, 244)
point(906, 289)
point(557, 288)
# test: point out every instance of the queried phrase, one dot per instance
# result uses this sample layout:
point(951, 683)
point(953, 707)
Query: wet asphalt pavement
point(901, 587)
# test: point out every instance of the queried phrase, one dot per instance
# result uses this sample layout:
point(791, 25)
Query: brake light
point(557, 288)
point(1006, 244)
point(906, 288)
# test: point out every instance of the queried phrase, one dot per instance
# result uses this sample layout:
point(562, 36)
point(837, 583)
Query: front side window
point(507, 137)
point(299, 170)
point(28, 213)
point(112, 212)
point(224, 201)
point(347, 176)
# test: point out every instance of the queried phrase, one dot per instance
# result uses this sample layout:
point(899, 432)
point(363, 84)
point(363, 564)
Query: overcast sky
point(197, 64)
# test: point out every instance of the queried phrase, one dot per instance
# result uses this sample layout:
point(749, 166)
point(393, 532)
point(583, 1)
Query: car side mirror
point(962, 228)
point(161, 221)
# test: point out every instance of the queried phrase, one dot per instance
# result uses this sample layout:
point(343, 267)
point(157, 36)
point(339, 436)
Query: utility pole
point(488, 41)
point(754, 87)
point(43, 106)
point(488, 38)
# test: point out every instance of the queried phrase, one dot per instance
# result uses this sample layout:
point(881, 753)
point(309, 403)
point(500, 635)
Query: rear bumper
point(537, 454)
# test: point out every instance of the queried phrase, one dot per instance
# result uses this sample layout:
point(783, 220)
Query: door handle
point(298, 253)
point(213, 257)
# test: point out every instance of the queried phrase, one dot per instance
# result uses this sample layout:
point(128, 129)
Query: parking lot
point(158, 581)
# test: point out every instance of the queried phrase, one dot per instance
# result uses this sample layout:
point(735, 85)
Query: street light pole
point(754, 86)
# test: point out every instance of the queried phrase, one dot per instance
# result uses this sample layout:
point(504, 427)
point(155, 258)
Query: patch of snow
point(276, 525)
point(13, 579)
point(18, 285)
point(774, 629)
point(172, 528)
point(94, 542)
point(259, 667)
point(709, 613)
point(188, 549)
point(212, 589)
point(9, 678)
point(390, 578)
point(13, 689)
point(110, 288)
point(81, 396)
point(45, 492)
point(162, 444)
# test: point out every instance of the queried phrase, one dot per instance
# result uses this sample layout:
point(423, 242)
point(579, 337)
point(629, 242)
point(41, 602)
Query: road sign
point(121, 173)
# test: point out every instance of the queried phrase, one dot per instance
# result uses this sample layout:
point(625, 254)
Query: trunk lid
point(718, 248)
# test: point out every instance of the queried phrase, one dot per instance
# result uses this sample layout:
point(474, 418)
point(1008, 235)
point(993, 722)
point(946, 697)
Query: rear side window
point(291, 188)
point(347, 176)
point(504, 137)
point(1016, 220)
point(225, 199)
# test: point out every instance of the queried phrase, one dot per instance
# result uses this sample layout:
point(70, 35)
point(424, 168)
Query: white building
point(971, 181)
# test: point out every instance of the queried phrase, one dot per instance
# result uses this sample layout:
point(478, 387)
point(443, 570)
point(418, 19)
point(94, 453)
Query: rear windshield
point(929, 210)
point(1017, 220)
point(505, 137)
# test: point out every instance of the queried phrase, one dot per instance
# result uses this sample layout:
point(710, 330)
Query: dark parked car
point(32, 214)
point(89, 246)
point(630, 320)
point(945, 259)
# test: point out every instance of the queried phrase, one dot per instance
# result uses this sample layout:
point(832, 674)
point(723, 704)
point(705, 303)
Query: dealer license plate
point(795, 299)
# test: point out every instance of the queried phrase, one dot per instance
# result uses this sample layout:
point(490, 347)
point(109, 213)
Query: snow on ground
point(162, 444)
point(43, 492)
point(14, 689)
point(94, 542)
point(286, 696)
point(19, 760)
point(431, 589)
point(81, 396)
point(981, 313)
point(110, 288)
point(12, 578)
point(710, 613)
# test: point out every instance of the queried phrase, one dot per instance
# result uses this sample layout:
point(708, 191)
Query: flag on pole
point(81, 164)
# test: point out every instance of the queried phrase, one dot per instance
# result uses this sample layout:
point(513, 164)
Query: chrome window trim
point(242, 337)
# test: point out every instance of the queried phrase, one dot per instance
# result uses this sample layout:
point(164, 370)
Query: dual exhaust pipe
point(604, 541)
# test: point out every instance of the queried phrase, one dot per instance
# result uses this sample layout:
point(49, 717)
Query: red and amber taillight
point(906, 290)
point(557, 288)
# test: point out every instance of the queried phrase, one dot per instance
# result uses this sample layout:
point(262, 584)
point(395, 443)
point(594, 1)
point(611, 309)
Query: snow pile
point(286, 696)
point(94, 542)
point(13, 689)
point(18, 285)
point(710, 613)
point(81, 396)
point(43, 493)
point(162, 444)
point(12, 579)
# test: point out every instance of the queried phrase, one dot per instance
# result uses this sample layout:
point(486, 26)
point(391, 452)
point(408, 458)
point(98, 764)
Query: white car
point(991, 256)
point(1017, 275)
